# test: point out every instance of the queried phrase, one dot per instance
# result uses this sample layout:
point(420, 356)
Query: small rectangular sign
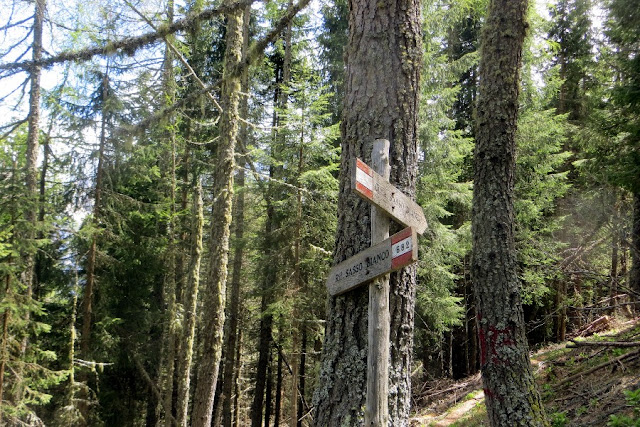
point(391, 254)
point(372, 187)
point(364, 178)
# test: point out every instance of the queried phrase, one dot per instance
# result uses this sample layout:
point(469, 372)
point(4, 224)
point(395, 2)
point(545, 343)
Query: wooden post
point(377, 405)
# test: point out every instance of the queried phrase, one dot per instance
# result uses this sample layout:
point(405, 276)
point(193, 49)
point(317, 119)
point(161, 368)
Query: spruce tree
point(510, 390)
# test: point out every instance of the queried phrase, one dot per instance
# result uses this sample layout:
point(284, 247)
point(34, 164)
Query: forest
point(175, 188)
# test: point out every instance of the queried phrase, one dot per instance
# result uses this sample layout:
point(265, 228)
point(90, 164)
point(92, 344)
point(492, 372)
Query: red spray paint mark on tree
point(492, 340)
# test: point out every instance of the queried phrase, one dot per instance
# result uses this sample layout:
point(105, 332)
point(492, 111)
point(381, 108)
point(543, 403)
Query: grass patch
point(477, 417)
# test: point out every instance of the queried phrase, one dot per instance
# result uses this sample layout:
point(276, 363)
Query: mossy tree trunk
point(215, 292)
point(510, 390)
point(381, 101)
point(231, 340)
point(185, 355)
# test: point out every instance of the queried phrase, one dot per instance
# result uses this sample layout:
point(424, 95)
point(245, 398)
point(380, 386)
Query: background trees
point(108, 236)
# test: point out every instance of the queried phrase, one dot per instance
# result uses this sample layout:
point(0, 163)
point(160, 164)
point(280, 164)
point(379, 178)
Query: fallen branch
point(628, 356)
point(621, 344)
point(598, 325)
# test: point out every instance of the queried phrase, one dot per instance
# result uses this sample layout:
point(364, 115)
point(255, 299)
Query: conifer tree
point(214, 292)
point(510, 390)
point(623, 30)
point(382, 36)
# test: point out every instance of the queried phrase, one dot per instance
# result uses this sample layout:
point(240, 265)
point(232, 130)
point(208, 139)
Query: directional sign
point(391, 254)
point(374, 188)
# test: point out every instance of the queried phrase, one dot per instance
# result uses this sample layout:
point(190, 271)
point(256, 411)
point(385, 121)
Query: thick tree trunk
point(33, 138)
point(383, 67)
point(214, 297)
point(634, 274)
point(510, 390)
point(31, 185)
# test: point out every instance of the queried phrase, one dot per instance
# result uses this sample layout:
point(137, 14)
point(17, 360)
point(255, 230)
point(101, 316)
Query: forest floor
point(581, 384)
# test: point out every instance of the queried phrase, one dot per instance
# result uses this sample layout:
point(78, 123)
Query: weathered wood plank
point(369, 185)
point(379, 322)
point(392, 254)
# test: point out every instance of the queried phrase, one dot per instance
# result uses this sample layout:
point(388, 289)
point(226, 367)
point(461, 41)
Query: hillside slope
point(584, 382)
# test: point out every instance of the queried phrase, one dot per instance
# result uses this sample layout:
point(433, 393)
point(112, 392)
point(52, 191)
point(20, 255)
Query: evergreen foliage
point(147, 118)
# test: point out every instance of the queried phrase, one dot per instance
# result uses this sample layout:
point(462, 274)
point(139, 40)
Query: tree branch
point(129, 45)
point(256, 49)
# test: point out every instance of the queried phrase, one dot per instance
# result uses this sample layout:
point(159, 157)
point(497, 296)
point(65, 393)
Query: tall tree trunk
point(282, 77)
point(278, 402)
point(31, 172)
point(615, 258)
point(383, 36)
point(269, 391)
point(510, 390)
point(301, 380)
point(168, 367)
point(87, 310)
point(33, 138)
point(264, 340)
point(230, 374)
point(214, 294)
point(190, 301)
point(238, 370)
point(634, 274)
point(294, 386)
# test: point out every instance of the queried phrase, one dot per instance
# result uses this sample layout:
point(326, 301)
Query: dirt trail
point(452, 415)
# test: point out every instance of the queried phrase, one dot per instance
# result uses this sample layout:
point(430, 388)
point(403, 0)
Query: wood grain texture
point(377, 405)
point(371, 263)
point(390, 199)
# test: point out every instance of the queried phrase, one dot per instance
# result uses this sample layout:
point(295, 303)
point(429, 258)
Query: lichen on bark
point(383, 36)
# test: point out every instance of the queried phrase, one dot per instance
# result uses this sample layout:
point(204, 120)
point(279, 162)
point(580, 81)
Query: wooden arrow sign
point(374, 188)
point(391, 254)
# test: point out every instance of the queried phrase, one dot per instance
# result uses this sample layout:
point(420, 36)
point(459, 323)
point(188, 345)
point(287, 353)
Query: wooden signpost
point(373, 187)
point(372, 265)
point(391, 254)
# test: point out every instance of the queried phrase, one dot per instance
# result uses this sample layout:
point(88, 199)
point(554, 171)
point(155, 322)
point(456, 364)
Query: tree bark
point(510, 390)
point(278, 399)
point(87, 306)
point(264, 343)
point(171, 332)
point(301, 381)
point(379, 103)
point(190, 303)
point(230, 374)
point(214, 297)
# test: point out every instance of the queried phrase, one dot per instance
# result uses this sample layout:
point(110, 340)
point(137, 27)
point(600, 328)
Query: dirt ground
point(581, 385)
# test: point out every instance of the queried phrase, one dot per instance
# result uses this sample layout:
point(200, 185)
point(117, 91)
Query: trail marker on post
point(385, 255)
point(373, 187)
point(391, 254)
